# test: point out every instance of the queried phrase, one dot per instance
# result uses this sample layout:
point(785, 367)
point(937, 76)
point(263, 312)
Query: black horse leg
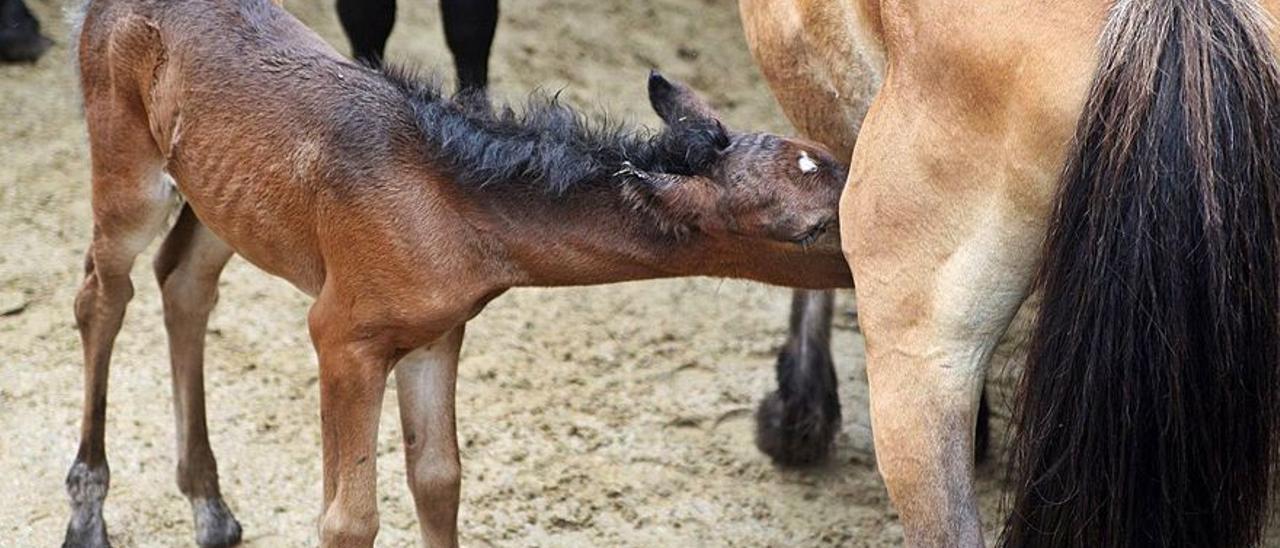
point(20, 38)
point(468, 30)
point(367, 24)
point(797, 423)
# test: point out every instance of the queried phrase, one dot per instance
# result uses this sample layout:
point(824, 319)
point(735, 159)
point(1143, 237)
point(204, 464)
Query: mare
point(797, 423)
point(1147, 409)
point(402, 213)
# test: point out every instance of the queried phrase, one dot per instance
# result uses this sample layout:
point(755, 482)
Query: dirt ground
point(611, 416)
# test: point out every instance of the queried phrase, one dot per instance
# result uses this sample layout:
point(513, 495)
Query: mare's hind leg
point(797, 423)
point(187, 268)
point(131, 204)
point(943, 238)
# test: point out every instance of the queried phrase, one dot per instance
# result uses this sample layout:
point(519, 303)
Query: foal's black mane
point(548, 144)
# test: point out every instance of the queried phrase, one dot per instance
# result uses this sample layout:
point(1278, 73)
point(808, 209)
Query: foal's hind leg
point(187, 268)
point(796, 424)
point(131, 204)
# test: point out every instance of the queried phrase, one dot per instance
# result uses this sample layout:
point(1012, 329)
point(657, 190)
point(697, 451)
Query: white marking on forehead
point(807, 165)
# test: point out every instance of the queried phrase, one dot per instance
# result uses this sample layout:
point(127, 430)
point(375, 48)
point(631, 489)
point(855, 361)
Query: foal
point(403, 213)
point(796, 424)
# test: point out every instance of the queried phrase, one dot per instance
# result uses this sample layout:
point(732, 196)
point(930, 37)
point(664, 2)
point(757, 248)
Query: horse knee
point(184, 295)
point(436, 480)
point(343, 529)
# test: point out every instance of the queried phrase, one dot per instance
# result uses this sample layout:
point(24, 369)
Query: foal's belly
point(269, 222)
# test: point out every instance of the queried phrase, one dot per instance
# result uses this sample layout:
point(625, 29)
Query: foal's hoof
point(89, 532)
point(796, 433)
point(215, 526)
point(87, 488)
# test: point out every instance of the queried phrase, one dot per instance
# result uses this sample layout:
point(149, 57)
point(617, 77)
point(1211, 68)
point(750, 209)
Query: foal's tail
point(1148, 408)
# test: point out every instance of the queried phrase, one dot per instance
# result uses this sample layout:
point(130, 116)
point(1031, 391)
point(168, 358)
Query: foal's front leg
point(425, 381)
point(353, 376)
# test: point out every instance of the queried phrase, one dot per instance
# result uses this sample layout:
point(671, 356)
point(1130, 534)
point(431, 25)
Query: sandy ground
point(603, 416)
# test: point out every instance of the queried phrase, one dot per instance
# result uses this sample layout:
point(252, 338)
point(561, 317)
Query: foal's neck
point(597, 235)
point(592, 236)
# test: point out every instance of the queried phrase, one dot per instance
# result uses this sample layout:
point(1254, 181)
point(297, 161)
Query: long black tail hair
point(1147, 414)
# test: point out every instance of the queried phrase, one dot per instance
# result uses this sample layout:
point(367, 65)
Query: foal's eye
point(807, 165)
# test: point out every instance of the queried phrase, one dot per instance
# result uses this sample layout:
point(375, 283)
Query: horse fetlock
point(794, 432)
point(215, 524)
point(86, 484)
point(87, 487)
point(797, 424)
point(198, 479)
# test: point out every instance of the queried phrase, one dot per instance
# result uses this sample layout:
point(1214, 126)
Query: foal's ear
point(683, 201)
point(675, 103)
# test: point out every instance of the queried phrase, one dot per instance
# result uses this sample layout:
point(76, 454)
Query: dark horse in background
point(796, 424)
point(468, 30)
point(20, 38)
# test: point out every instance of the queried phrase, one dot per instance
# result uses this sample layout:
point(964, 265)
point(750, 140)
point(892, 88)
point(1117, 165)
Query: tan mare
point(1147, 409)
point(402, 212)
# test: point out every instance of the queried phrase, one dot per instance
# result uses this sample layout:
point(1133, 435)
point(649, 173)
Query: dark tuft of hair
point(547, 144)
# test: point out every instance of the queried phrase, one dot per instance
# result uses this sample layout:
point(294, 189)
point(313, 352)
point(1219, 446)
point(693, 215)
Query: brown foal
point(402, 212)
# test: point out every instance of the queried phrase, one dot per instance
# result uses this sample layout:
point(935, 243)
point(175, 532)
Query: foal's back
point(261, 124)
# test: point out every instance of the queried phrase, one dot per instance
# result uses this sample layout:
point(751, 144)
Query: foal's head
point(757, 185)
